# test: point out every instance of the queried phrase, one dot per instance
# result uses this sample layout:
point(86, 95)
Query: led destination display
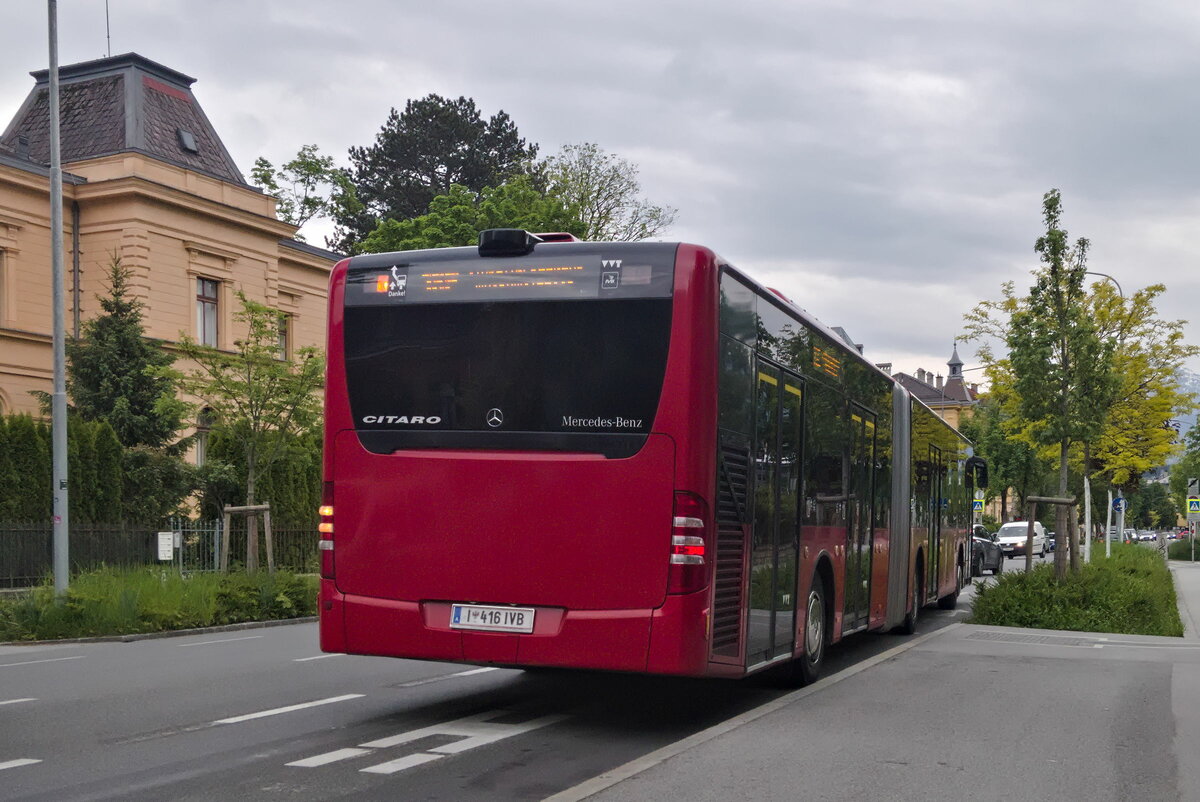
point(535, 277)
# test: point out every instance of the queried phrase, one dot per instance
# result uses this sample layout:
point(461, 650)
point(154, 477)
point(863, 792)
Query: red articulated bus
point(618, 456)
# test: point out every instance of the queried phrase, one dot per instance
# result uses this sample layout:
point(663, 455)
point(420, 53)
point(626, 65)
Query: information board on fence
point(166, 546)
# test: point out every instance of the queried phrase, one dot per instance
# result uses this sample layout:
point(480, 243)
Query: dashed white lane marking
point(318, 657)
point(12, 764)
point(47, 660)
point(15, 701)
point(477, 730)
point(400, 764)
point(222, 640)
point(444, 677)
point(289, 708)
point(329, 757)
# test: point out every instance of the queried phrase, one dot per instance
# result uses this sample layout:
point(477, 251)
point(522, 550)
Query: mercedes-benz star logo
point(494, 417)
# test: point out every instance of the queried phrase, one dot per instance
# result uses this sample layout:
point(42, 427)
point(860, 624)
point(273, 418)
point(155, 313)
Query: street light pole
point(58, 399)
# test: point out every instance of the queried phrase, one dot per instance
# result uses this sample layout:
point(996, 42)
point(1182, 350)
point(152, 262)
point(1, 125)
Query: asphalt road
point(261, 714)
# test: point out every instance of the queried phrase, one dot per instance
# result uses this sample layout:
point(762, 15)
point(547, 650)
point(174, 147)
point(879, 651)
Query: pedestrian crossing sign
point(977, 505)
point(1194, 505)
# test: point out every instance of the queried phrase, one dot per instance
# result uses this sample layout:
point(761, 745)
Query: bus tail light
point(689, 545)
point(325, 544)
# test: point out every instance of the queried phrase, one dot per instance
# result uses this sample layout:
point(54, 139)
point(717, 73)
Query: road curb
point(170, 633)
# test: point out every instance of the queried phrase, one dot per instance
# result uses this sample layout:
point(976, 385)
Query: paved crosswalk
point(471, 732)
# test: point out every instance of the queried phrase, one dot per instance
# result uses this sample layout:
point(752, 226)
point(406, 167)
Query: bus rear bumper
point(606, 640)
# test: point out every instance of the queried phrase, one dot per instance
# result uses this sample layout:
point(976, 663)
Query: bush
point(1130, 593)
point(1182, 549)
point(113, 602)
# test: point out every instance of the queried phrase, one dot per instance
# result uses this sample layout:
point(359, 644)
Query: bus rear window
point(540, 375)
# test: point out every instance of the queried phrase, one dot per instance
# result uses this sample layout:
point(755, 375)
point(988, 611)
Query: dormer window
point(187, 140)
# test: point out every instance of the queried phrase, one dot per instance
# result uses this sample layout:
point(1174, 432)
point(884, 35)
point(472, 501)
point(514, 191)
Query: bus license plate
point(494, 619)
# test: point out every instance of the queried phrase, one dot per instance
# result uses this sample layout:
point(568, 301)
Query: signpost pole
point(1193, 509)
point(1121, 515)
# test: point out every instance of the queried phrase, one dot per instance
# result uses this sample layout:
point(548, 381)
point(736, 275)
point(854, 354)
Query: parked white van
point(1013, 535)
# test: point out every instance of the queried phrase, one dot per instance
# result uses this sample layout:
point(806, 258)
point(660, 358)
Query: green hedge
point(1182, 549)
point(109, 483)
point(113, 602)
point(1130, 593)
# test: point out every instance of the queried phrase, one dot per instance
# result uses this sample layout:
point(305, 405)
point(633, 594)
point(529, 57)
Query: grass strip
point(126, 602)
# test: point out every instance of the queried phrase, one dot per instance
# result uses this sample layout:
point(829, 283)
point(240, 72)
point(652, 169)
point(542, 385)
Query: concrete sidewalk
point(1187, 595)
point(964, 712)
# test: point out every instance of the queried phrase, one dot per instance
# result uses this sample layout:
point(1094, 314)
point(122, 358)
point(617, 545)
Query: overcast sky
point(881, 163)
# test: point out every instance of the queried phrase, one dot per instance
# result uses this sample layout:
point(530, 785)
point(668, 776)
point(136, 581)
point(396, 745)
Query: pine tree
point(115, 374)
point(29, 452)
point(81, 469)
point(9, 487)
point(419, 154)
point(109, 475)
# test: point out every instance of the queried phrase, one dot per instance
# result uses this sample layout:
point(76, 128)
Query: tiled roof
point(122, 103)
point(953, 392)
point(91, 120)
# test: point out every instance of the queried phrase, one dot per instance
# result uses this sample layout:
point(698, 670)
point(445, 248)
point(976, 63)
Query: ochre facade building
point(146, 180)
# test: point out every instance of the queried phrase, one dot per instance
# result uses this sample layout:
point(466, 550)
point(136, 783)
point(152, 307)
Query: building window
point(285, 336)
point(204, 422)
point(207, 295)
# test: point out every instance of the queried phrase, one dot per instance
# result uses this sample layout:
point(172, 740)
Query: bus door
point(861, 509)
point(771, 627)
point(936, 497)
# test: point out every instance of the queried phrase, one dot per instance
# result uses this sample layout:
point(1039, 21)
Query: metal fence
point(26, 549)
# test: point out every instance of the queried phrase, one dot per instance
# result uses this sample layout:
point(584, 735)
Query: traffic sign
point(1120, 504)
point(977, 505)
point(1193, 499)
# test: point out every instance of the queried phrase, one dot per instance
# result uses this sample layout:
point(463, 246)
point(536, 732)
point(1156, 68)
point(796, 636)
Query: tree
point(420, 153)
point(1013, 462)
point(1149, 352)
point(603, 191)
point(114, 373)
point(1059, 367)
point(456, 218)
point(29, 456)
point(293, 483)
point(10, 482)
point(110, 473)
point(308, 186)
point(253, 393)
point(81, 469)
point(1153, 509)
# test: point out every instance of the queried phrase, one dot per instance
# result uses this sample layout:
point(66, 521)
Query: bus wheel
point(807, 668)
point(950, 601)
